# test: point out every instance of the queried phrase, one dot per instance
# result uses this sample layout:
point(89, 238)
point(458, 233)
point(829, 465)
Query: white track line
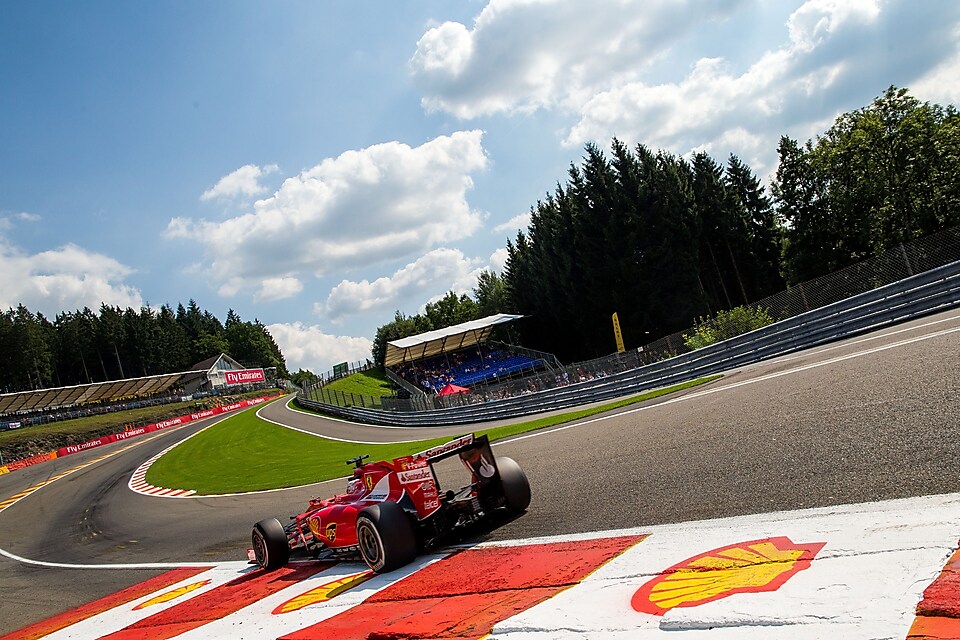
point(735, 385)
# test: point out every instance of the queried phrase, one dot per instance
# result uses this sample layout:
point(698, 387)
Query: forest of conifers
point(659, 239)
point(82, 346)
point(664, 240)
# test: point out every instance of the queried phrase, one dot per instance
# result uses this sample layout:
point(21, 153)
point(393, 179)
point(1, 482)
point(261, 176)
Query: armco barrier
point(934, 290)
point(139, 431)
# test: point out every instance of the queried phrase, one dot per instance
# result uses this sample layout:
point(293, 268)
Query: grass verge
point(244, 453)
point(42, 438)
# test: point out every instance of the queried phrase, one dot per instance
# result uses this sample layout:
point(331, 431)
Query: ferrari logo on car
point(369, 481)
point(747, 567)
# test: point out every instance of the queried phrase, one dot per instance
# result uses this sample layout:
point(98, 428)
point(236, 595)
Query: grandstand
point(61, 403)
point(459, 357)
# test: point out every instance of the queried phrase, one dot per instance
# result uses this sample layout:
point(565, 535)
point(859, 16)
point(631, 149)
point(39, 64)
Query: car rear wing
point(474, 452)
point(463, 443)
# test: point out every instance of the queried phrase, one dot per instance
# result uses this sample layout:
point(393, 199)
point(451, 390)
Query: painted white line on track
point(815, 351)
point(852, 572)
point(336, 419)
point(728, 387)
point(325, 437)
point(690, 396)
point(133, 565)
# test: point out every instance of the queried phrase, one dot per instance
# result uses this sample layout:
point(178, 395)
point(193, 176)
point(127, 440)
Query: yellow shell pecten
point(746, 567)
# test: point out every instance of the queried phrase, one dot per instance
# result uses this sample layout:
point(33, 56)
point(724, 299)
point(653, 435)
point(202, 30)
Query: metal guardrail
point(934, 290)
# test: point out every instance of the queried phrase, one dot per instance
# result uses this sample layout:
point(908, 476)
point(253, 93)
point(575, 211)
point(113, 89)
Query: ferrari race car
point(392, 510)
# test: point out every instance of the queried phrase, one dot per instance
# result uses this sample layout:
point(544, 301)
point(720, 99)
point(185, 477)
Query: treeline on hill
point(81, 347)
point(663, 240)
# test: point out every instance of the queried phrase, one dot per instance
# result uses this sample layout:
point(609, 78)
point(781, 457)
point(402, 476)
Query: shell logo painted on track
point(171, 595)
point(323, 593)
point(746, 567)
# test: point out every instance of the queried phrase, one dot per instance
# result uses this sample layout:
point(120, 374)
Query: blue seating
point(476, 369)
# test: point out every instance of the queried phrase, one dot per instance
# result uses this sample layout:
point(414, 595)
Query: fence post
point(803, 296)
point(906, 259)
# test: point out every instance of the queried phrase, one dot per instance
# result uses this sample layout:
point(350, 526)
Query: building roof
point(114, 390)
point(110, 391)
point(431, 343)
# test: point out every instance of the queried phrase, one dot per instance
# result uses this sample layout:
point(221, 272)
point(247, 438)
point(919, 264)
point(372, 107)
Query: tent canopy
point(432, 343)
point(451, 389)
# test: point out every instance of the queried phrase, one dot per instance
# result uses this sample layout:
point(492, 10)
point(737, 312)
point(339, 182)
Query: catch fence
point(892, 266)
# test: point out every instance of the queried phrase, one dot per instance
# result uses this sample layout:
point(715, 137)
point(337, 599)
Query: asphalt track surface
point(870, 418)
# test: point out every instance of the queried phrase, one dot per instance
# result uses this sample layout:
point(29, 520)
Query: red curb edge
point(938, 613)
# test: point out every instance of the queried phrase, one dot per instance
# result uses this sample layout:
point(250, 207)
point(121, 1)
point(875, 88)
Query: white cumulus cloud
point(518, 222)
point(279, 288)
point(383, 203)
point(63, 279)
point(656, 73)
point(428, 277)
point(309, 347)
point(245, 181)
point(521, 55)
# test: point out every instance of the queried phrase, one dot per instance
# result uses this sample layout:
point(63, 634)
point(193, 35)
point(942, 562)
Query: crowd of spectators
point(462, 368)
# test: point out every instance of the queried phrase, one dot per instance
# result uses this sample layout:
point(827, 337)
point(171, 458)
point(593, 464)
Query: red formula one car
point(392, 510)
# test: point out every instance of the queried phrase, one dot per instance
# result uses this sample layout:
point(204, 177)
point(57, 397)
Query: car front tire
point(270, 547)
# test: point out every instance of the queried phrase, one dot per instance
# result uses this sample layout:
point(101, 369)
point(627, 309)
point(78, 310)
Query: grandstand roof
point(433, 343)
point(42, 399)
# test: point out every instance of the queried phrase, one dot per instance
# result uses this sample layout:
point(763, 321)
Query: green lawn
point(361, 389)
point(40, 438)
point(244, 453)
point(368, 383)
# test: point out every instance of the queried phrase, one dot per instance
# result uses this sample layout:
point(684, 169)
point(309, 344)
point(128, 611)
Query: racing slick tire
point(516, 488)
point(386, 537)
point(270, 547)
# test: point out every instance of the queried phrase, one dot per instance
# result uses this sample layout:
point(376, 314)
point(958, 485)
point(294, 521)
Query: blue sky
point(320, 165)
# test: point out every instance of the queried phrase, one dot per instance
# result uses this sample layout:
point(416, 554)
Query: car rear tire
point(516, 488)
point(386, 537)
point(270, 547)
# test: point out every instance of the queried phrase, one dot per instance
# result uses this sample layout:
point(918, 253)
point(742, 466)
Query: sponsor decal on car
point(314, 525)
point(462, 441)
point(415, 476)
point(331, 531)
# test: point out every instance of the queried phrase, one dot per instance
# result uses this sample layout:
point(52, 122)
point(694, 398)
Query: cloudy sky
point(320, 165)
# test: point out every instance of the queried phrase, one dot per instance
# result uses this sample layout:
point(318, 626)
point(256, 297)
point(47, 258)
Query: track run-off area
point(816, 495)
